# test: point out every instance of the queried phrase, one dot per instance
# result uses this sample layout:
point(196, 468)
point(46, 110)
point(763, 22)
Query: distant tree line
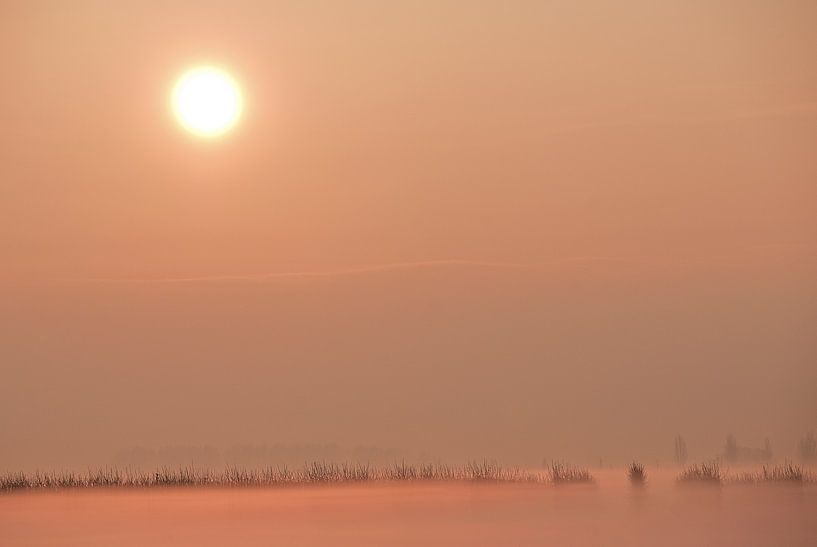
point(735, 453)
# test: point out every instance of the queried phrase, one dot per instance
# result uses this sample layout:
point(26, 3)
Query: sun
point(207, 101)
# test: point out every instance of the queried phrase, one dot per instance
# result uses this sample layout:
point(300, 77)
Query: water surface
point(608, 513)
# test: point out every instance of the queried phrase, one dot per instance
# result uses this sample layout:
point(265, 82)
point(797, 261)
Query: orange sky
point(620, 199)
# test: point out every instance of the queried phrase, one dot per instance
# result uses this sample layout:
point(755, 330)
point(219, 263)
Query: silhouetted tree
point(730, 451)
point(766, 453)
point(680, 450)
point(808, 447)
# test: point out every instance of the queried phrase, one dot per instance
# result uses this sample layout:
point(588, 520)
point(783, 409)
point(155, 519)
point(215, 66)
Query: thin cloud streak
point(424, 264)
point(329, 273)
point(788, 110)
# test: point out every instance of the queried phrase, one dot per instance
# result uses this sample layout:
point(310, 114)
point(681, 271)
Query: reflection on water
point(612, 512)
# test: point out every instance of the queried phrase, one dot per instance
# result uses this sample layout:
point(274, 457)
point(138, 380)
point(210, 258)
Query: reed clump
point(561, 473)
point(786, 473)
point(637, 473)
point(705, 473)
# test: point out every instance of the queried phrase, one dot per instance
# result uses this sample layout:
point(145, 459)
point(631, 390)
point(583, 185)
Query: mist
point(523, 231)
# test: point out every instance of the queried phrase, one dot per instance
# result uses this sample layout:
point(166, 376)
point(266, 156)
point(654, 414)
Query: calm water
point(610, 513)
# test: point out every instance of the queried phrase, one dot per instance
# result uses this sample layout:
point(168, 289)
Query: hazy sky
point(515, 229)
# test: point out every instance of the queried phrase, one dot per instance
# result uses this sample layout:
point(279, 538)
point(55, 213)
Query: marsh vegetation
point(327, 473)
point(318, 472)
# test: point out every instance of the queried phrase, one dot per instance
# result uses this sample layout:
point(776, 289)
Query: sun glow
point(207, 101)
